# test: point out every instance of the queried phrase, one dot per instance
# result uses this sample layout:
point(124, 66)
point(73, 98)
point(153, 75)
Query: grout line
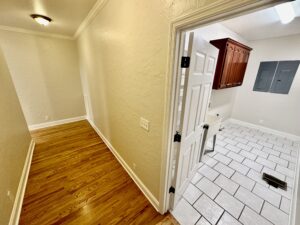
point(241, 212)
point(221, 216)
point(262, 206)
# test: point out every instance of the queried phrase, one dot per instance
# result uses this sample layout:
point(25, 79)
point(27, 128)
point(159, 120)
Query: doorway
point(180, 155)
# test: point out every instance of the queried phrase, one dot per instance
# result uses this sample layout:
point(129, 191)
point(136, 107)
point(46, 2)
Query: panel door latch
point(177, 137)
point(185, 61)
point(172, 190)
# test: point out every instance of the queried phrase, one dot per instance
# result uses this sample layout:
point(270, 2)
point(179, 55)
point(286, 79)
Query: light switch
point(144, 123)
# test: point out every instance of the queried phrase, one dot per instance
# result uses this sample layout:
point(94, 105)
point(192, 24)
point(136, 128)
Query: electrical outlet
point(46, 118)
point(261, 121)
point(134, 166)
point(10, 196)
point(144, 123)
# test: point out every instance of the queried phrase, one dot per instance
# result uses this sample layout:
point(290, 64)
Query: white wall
point(279, 112)
point(45, 72)
point(222, 101)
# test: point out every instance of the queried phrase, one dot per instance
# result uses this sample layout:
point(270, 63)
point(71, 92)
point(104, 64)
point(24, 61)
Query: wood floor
point(75, 179)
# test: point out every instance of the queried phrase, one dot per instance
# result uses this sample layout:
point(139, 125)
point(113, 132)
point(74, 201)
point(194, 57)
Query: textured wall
point(45, 72)
point(14, 141)
point(123, 58)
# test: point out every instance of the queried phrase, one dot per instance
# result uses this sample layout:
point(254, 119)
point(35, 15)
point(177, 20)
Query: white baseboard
point(55, 123)
point(16, 211)
point(134, 177)
point(265, 129)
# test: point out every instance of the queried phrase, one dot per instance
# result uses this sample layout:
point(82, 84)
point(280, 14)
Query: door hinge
point(172, 190)
point(177, 137)
point(185, 61)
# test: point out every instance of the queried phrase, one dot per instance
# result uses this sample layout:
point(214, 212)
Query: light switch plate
point(144, 123)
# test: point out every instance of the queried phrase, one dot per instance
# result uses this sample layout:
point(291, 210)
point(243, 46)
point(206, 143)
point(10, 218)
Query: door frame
point(213, 13)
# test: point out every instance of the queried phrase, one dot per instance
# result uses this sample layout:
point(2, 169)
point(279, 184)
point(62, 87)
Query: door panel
point(197, 91)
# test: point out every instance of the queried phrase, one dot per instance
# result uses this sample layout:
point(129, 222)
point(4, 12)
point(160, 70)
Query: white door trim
point(203, 16)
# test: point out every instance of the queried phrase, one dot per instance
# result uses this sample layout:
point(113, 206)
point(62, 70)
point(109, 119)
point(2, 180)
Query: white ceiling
point(264, 24)
point(67, 15)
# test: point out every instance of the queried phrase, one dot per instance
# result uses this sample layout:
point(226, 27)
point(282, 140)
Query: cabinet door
point(239, 60)
point(233, 76)
point(228, 63)
point(242, 66)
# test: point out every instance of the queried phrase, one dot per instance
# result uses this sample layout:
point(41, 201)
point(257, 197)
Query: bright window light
point(285, 12)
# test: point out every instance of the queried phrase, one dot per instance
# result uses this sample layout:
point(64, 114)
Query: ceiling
point(264, 24)
point(67, 15)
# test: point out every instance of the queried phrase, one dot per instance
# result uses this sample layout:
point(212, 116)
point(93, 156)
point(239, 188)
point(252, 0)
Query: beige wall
point(45, 73)
point(14, 141)
point(275, 111)
point(123, 59)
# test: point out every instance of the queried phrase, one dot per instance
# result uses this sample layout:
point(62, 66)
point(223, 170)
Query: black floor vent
point(273, 181)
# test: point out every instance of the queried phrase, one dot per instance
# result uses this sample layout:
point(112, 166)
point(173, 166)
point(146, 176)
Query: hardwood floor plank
point(75, 179)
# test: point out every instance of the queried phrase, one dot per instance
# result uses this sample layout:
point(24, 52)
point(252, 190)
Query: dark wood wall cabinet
point(232, 62)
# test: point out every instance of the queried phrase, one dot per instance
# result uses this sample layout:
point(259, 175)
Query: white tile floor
point(228, 188)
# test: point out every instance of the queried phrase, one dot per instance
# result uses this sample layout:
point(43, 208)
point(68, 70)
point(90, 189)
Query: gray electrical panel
point(276, 76)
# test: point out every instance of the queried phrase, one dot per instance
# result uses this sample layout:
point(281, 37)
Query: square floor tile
point(208, 172)
point(223, 169)
point(285, 205)
point(249, 217)
point(230, 141)
point(239, 167)
point(229, 203)
point(285, 171)
point(260, 153)
point(222, 158)
point(250, 199)
point(208, 187)
point(227, 219)
point(235, 156)
point(267, 194)
point(288, 157)
point(203, 221)
point(233, 148)
point(271, 151)
point(243, 146)
point(226, 184)
point(209, 161)
point(184, 213)
point(243, 181)
point(274, 215)
point(278, 160)
point(196, 178)
point(266, 163)
point(255, 145)
point(248, 155)
point(253, 165)
point(209, 209)
point(256, 176)
point(191, 194)
point(221, 150)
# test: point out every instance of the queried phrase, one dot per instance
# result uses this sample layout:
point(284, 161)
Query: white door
point(198, 86)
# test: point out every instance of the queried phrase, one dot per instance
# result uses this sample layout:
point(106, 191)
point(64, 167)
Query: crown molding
point(91, 15)
point(27, 31)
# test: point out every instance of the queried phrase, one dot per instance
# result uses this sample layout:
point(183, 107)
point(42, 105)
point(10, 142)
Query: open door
point(198, 85)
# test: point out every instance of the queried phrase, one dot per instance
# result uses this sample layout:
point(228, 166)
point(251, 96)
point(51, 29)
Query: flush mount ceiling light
point(285, 12)
point(40, 19)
